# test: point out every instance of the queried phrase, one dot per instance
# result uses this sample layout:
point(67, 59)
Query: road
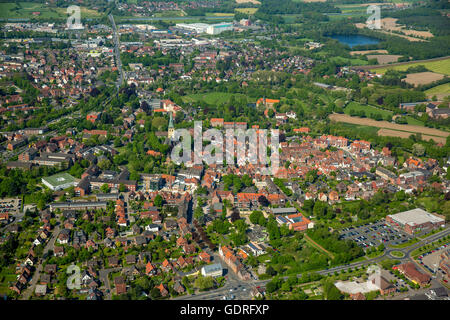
point(103, 275)
point(240, 294)
point(386, 255)
point(117, 52)
point(34, 281)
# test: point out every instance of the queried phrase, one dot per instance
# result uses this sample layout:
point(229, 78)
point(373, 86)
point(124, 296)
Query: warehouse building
point(59, 181)
point(219, 28)
point(193, 27)
point(416, 220)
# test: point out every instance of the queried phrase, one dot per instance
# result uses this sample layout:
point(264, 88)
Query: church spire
point(171, 129)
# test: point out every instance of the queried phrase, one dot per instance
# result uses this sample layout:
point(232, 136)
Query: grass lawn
point(368, 109)
point(211, 97)
point(219, 14)
point(246, 10)
point(353, 62)
point(441, 66)
point(397, 254)
point(413, 121)
point(170, 13)
point(6, 276)
point(406, 244)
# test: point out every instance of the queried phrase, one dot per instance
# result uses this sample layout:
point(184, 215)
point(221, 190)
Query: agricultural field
point(390, 24)
point(352, 62)
point(170, 13)
point(247, 10)
point(440, 91)
point(406, 135)
point(26, 9)
point(421, 78)
point(438, 66)
point(368, 109)
point(384, 58)
point(400, 130)
point(248, 1)
point(364, 52)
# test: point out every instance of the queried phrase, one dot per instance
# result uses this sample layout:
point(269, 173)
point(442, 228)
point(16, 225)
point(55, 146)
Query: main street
point(117, 51)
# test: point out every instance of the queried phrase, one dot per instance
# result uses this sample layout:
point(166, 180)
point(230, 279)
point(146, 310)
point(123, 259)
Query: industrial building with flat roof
point(59, 181)
point(415, 220)
point(205, 28)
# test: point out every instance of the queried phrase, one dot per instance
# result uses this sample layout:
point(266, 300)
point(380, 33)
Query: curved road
point(240, 294)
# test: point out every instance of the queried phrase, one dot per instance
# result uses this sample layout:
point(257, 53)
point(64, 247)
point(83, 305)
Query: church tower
point(171, 129)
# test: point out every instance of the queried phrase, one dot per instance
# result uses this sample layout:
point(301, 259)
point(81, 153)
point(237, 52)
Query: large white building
point(415, 220)
point(206, 28)
point(59, 181)
point(212, 270)
point(219, 28)
point(194, 27)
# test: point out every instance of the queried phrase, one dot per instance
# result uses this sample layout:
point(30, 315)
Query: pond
point(355, 40)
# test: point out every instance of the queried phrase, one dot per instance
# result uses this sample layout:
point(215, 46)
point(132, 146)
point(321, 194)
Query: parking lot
point(430, 260)
point(374, 234)
point(11, 206)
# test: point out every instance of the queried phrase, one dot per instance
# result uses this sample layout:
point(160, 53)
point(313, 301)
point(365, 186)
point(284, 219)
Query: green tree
point(105, 188)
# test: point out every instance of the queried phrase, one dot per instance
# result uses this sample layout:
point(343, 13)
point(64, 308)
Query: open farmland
point(247, 10)
point(440, 91)
point(419, 78)
point(438, 65)
point(366, 108)
point(364, 52)
point(384, 58)
point(25, 10)
point(405, 135)
point(390, 24)
point(406, 128)
point(248, 1)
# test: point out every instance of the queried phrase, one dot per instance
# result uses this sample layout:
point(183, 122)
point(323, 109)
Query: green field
point(25, 10)
point(368, 109)
point(247, 10)
point(211, 97)
point(352, 62)
point(413, 121)
point(442, 89)
point(441, 66)
point(170, 13)
point(397, 254)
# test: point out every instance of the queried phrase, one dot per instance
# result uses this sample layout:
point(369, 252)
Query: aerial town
point(95, 206)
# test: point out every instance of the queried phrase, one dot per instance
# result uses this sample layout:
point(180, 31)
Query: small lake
point(355, 40)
